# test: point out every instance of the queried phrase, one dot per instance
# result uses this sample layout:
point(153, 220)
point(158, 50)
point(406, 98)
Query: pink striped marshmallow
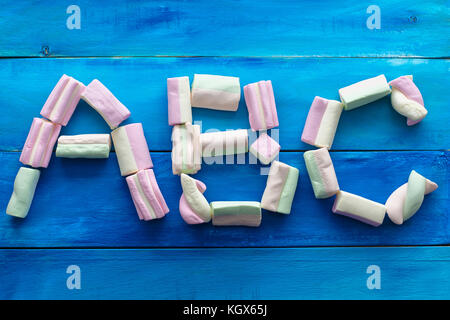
point(131, 149)
point(63, 100)
point(41, 139)
point(146, 195)
point(105, 103)
point(321, 123)
point(262, 111)
point(179, 98)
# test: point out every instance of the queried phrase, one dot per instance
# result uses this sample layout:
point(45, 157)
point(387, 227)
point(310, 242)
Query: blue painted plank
point(309, 273)
point(228, 28)
point(140, 83)
point(83, 203)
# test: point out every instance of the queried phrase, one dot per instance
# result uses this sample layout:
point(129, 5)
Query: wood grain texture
point(86, 203)
point(320, 273)
point(140, 83)
point(225, 28)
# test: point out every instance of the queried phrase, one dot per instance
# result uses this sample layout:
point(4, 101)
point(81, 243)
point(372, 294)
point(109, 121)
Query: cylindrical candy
point(321, 173)
point(321, 123)
point(146, 195)
point(131, 149)
point(194, 208)
point(41, 139)
point(359, 208)
point(22, 196)
point(90, 146)
point(407, 100)
point(105, 103)
point(219, 143)
point(236, 213)
point(260, 100)
point(62, 101)
point(216, 92)
point(364, 92)
point(186, 149)
point(404, 202)
point(265, 148)
point(179, 99)
point(280, 188)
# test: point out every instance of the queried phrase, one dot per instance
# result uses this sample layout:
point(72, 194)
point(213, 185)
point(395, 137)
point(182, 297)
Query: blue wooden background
point(82, 213)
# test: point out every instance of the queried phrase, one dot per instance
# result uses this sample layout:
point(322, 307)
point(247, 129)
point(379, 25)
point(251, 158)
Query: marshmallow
point(280, 188)
point(321, 173)
point(131, 149)
point(404, 202)
point(321, 123)
point(236, 213)
point(179, 98)
point(186, 149)
point(90, 146)
point(194, 208)
point(40, 141)
point(22, 196)
point(62, 101)
point(359, 208)
point(262, 111)
point(407, 100)
point(146, 195)
point(105, 103)
point(221, 143)
point(265, 148)
point(364, 92)
point(215, 92)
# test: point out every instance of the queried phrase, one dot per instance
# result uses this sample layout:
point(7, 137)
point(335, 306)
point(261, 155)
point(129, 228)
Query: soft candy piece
point(404, 202)
point(236, 213)
point(215, 92)
point(359, 208)
point(194, 208)
point(262, 111)
point(22, 196)
point(321, 123)
point(221, 143)
point(146, 195)
point(40, 141)
point(321, 173)
point(280, 188)
point(131, 149)
point(179, 98)
point(62, 101)
point(186, 149)
point(364, 92)
point(407, 100)
point(265, 148)
point(89, 146)
point(105, 103)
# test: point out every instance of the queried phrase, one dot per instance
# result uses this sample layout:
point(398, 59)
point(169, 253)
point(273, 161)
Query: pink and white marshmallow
point(186, 149)
point(131, 149)
point(220, 143)
point(404, 202)
point(105, 103)
point(359, 208)
point(407, 100)
point(41, 139)
point(265, 148)
point(321, 123)
point(321, 173)
point(260, 100)
point(194, 208)
point(179, 99)
point(146, 195)
point(62, 101)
